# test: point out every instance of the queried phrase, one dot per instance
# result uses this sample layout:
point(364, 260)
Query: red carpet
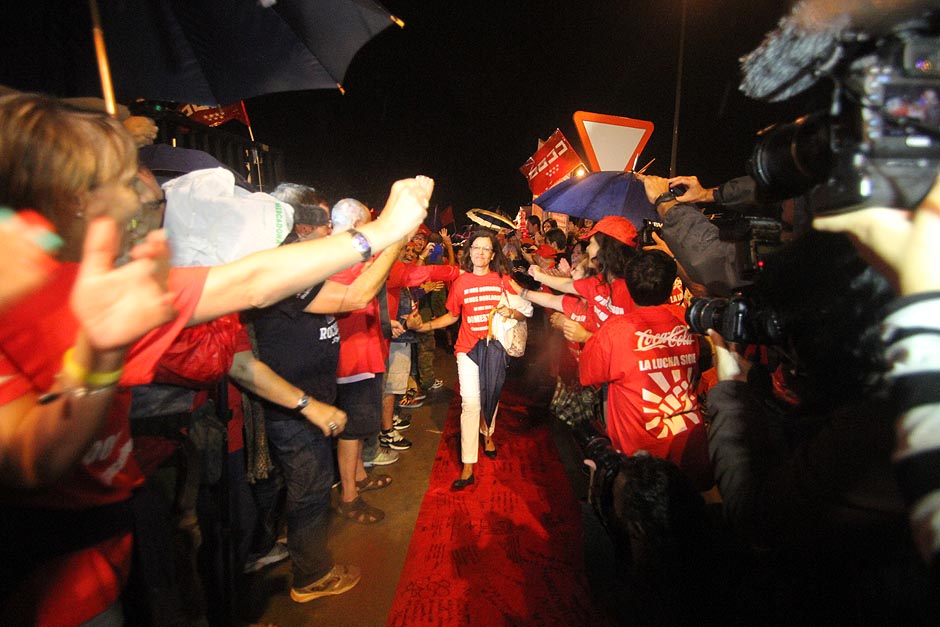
point(507, 550)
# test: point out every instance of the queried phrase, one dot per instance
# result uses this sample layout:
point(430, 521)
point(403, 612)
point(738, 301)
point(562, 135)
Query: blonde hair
point(51, 155)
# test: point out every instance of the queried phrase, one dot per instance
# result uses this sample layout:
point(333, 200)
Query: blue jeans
point(306, 461)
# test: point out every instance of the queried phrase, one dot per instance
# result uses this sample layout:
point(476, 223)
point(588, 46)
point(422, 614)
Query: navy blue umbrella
point(492, 360)
point(600, 194)
point(168, 162)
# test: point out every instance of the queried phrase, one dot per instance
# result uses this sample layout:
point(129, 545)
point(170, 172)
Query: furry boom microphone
point(813, 38)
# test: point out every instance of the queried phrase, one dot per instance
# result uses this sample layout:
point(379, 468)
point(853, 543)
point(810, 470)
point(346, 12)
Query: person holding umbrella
point(481, 364)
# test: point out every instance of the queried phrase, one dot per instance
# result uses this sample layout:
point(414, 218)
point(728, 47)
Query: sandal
point(359, 511)
point(374, 482)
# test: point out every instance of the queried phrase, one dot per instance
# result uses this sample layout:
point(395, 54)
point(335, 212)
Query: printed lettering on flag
point(551, 163)
point(214, 116)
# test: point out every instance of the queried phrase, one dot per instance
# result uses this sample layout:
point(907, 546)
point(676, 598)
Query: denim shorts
point(362, 402)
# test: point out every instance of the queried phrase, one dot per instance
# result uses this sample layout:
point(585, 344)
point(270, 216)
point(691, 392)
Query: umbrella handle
point(101, 53)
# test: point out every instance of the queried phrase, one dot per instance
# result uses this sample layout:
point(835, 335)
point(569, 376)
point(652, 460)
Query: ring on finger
point(332, 426)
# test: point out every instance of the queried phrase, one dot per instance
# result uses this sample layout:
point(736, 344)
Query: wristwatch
point(664, 197)
point(302, 403)
point(361, 244)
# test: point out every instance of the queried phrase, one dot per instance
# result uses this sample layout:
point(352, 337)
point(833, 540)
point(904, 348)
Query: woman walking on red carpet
point(475, 294)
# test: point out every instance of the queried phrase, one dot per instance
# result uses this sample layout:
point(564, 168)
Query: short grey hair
point(347, 212)
point(297, 194)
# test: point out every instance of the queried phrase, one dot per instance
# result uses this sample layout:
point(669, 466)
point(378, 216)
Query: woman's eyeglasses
point(481, 249)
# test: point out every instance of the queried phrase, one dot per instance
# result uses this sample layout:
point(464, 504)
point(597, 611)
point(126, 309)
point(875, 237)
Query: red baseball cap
point(617, 227)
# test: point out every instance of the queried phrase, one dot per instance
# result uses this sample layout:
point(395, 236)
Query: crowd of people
point(817, 448)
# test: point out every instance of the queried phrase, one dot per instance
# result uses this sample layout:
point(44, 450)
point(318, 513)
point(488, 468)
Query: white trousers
point(470, 424)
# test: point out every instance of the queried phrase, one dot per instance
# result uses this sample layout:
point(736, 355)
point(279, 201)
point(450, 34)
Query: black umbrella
point(490, 357)
point(600, 194)
point(168, 162)
point(196, 51)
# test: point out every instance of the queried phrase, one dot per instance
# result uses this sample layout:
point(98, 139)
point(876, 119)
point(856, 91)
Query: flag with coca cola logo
point(551, 163)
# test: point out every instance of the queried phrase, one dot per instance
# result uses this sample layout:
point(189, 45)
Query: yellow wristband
point(81, 374)
point(72, 368)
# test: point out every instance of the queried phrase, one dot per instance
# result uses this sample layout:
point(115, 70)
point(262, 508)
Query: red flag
point(447, 215)
point(214, 116)
point(551, 163)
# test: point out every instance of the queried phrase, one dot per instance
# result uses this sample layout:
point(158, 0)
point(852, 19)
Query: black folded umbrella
point(492, 360)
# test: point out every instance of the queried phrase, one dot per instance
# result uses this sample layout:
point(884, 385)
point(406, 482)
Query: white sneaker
point(384, 457)
point(278, 553)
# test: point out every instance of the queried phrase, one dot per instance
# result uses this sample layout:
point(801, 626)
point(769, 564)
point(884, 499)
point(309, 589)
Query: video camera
point(737, 319)
point(879, 142)
point(595, 447)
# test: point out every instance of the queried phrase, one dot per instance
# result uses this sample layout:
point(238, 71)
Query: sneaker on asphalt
point(393, 440)
point(339, 580)
point(410, 400)
point(278, 553)
point(437, 384)
point(384, 457)
point(401, 423)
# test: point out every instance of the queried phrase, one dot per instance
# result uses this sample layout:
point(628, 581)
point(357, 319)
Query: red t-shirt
point(407, 275)
point(362, 347)
point(474, 297)
point(650, 360)
point(34, 335)
point(607, 299)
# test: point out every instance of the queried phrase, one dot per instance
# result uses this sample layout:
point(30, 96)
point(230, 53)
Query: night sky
point(465, 90)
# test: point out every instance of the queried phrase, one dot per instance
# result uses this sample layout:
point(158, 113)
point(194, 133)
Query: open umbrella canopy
point(205, 52)
point(490, 219)
point(600, 194)
point(492, 360)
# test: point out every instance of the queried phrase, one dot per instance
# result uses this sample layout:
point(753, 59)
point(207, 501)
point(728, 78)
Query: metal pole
point(675, 119)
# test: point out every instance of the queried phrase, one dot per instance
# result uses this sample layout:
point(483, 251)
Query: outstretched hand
point(117, 306)
point(694, 192)
point(903, 245)
point(574, 332)
point(655, 186)
point(730, 365)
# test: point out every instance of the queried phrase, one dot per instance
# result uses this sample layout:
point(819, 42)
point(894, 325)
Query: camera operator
point(810, 482)
point(694, 239)
point(905, 246)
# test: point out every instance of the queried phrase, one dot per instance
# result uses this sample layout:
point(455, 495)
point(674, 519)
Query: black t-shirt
point(301, 347)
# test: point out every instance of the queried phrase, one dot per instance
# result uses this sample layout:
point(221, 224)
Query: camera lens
point(788, 159)
point(704, 314)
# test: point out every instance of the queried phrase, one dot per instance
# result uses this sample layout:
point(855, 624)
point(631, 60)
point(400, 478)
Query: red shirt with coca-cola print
point(649, 358)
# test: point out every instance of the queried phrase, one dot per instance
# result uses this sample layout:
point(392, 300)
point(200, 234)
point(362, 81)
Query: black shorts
point(362, 402)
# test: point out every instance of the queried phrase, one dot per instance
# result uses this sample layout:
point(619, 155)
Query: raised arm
point(266, 277)
point(562, 284)
point(334, 297)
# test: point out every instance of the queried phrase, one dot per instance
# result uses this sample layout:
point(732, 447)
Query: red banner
point(447, 215)
point(551, 163)
point(214, 116)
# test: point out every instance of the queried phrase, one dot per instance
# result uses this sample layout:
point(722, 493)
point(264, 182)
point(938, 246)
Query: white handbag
point(509, 332)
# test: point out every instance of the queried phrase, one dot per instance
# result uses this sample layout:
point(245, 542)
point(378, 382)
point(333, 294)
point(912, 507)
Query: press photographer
point(802, 454)
point(665, 541)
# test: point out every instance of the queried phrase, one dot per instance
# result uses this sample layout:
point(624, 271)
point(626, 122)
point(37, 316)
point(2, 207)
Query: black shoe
point(490, 454)
point(460, 484)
